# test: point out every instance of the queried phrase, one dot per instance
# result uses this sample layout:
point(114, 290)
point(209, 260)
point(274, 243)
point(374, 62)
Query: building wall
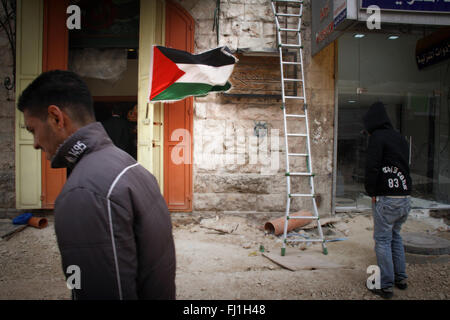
point(224, 123)
point(7, 113)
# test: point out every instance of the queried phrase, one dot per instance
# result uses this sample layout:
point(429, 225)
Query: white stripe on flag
point(200, 73)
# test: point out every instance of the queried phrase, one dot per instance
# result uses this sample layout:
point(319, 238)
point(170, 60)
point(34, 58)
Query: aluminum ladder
point(290, 13)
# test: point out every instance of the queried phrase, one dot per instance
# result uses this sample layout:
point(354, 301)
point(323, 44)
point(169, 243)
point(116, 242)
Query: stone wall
point(229, 175)
point(7, 118)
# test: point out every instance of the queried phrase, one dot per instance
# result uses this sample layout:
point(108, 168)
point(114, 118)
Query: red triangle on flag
point(165, 73)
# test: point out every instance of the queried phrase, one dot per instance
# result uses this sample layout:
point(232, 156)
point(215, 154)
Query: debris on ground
point(8, 230)
point(323, 222)
point(218, 225)
point(294, 261)
point(230, 266)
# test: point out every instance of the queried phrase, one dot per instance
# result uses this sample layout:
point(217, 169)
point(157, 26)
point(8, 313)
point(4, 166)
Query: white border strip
point(201, 73)
point(116, 262)
point(150, 74)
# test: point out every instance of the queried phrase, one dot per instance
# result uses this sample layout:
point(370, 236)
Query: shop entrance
point(104, 52)
point(382, 67)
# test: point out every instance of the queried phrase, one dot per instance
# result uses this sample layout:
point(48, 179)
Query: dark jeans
point(388, 216)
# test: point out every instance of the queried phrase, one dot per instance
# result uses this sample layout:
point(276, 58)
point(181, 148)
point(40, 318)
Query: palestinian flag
point(178, 74)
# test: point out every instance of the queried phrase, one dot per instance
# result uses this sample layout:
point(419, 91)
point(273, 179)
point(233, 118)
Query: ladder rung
point(294, 80)
point(301, 195)
point(305, 240)
point(304, 217)
point(295, 97)
point(288, 29)
point(288, 45)
point(295, 116)
point(297, 135)
point(288, 15)
point(298, 154)
point(307, 174)
point(293, 1)
point(289, 62)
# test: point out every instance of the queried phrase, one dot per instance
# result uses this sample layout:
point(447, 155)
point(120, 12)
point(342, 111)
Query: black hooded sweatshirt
point(387, 168)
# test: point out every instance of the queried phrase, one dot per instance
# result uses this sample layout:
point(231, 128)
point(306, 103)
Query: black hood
point(376, 118)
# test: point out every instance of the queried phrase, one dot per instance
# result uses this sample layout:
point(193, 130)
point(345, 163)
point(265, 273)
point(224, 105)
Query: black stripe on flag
point(213, 58)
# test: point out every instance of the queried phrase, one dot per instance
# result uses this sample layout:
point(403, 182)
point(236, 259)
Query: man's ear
point(56, 116)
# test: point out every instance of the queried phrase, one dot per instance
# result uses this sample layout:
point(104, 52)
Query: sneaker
point(402, 284)
point(385, 293)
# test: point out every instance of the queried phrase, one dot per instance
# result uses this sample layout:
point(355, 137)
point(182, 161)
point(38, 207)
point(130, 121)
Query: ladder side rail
point(288, 184)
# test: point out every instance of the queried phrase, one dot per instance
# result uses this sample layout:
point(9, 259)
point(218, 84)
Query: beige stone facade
point(222, 121)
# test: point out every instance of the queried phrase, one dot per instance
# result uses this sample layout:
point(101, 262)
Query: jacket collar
point(85, 140)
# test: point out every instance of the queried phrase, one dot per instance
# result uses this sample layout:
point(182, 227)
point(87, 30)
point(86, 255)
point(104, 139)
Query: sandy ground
point(221, 265)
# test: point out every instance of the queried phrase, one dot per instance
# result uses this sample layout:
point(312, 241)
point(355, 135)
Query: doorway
point(178, 117)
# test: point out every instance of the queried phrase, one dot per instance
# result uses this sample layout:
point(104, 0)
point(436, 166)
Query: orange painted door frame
point(178, 119)
point(55, 54)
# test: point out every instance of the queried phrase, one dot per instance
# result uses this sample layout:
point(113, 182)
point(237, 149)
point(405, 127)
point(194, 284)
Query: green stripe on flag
point(180, 90)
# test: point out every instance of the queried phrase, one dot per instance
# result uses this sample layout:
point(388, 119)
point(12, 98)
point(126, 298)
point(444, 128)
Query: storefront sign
point(339, 11)
point(328, 17)
point(433, 48)
point(331, 17)
point(434, 55)
point(410, 5)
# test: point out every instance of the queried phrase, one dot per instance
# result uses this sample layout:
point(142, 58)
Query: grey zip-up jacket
point(112, 222)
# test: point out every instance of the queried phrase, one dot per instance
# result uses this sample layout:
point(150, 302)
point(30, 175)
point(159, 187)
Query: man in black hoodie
point(388, 182)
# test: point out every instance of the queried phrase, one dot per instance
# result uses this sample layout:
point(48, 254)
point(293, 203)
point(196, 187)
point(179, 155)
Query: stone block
point(7, 108)
point(231, 183)
point(259, 13)
point(256, 112)
point(202, 10)
point(277, 184)
point(271, 202)
point(221, 111)
point(205, 42)
point(252, 29)
point(7, 125)
point(224, 202)
point(269, 30)
point(7, 161)
point(232, 11)
point(200, 110)
point(252, 43)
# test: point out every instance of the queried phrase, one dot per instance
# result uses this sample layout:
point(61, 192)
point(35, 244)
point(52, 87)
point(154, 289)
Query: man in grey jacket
point(110, 218)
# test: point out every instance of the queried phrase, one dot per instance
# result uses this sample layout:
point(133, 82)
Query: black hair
point(64, 89)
